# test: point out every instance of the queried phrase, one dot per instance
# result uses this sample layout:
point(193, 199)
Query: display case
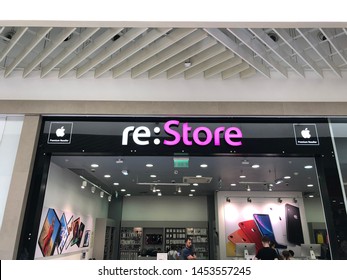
point(130, 242)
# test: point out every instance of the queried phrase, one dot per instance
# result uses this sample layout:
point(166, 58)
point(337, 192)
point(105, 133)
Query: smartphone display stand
point(312, 255)
point(245, 254)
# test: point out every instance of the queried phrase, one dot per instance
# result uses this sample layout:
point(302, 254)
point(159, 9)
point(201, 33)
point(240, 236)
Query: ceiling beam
point(258, 48)
point(85, 35)
point(169, 52)
point(19, 33)
point(298, 50)
point(47, 50)
point(275, 47)
point(319, 50)
point(247, 73)
point(181, 57)
point(222, 67)
point(333, 42)
point(122, 41)
point(207, 64)
point(226, 74)
point(159, 45)
point(241, 52)
point(28, 48)
point(88, 50)
point(196, 59)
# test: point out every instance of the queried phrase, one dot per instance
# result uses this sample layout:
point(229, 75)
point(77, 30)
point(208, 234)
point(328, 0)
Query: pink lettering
point(233, 132)
point(172, 132)
point(208, 136)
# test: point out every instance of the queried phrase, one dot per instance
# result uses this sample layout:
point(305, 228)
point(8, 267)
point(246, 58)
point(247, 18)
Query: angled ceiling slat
point(12, 43)
point(231, 45)
point(333, 42)
point(49, 49)
point(299, 51)
point(207, 64)
point(181, 57)
point(196, 59)
point(172, 50)
point(161, 44)
point(39, 36)
point(319, 50)
point(275, 47)
point(226, 74)
point(129, 51)
point(222, 66)
point(116, 46)
point(247, 73)
point(252, 43)
point(92, 47)
point(86, 34)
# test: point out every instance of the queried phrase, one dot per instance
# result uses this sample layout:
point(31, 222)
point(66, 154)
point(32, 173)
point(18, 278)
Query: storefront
point(228, 138)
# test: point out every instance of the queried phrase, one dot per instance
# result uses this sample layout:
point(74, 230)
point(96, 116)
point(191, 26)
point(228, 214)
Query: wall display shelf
point(200, 242)
point(174, 236)
point(130, 242)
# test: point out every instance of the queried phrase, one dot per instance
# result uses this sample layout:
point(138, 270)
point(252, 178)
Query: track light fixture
point(109, 198)
point(84, 184)
point(279, 200)
point(227, 199)
point(269, 188)
point(179, 190)
point(125, 172)
point(101, 194)
point(92, 189)
point(249, 200)
point(248, 188)
point(295, 200)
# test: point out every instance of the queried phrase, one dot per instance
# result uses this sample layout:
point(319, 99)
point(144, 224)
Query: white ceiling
point(167, 53)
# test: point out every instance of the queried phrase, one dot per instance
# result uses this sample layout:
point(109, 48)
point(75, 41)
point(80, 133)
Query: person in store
point(266, 253)
point(291, 252)
point(173, 254)
point(286, 255)
point(188, 251)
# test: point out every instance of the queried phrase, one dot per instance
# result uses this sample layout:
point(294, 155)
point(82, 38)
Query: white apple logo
point(60, 132)
point(305, 133)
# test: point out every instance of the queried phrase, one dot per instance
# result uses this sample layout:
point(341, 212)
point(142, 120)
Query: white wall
point(164, 208)
point(314, 210)
point(64, 193)
point(10, 130)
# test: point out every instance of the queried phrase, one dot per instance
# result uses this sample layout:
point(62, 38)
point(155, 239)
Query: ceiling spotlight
point(187, 63)
point(10, 34)
point(279, 200)
point(204, 165)
point(278, 181)
point(119, 160)
point(154, 189)
point(269, 188)
point(94, 165)
point(92, 189)
point(273, 36)
point(295, 200)
point(179, 190)
point(101, 194)
point(227, 199)
point(255, 166)
point(84, 184)
point(109, 198)
point(245, 161)
point(249, 200)
point(159, 193)
point(248, 188)
point(125, 172)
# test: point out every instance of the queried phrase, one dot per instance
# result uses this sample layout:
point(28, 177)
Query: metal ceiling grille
point(172, 52)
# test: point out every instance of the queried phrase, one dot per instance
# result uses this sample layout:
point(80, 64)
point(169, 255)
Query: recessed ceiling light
point(192, 190)
point(198, 176)
point(119, 160)
point(94, 165)
point(204, 165)
point(107, 176)
point(255, 166)
point(248, 188)
point(125, 172)
point(233, 185)
point(286, 177)
point(310, 185)
point(159, 193)
point(296, 173)
point(116, 184)
point(311, 195)
point(128, 194)
point(245, 161)
point(153, 176)
point(308, 166)
point(190, 194)
point(149, 165)
point(123, 190)
point(242, 176)
point(195, 184)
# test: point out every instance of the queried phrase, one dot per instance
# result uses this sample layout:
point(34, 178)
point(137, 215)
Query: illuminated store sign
point(181, 132)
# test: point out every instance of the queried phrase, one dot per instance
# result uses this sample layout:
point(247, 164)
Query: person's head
point(272, 244)
point(286, 254)
point(291, 252)
point(266, 241)
point(188, 242)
